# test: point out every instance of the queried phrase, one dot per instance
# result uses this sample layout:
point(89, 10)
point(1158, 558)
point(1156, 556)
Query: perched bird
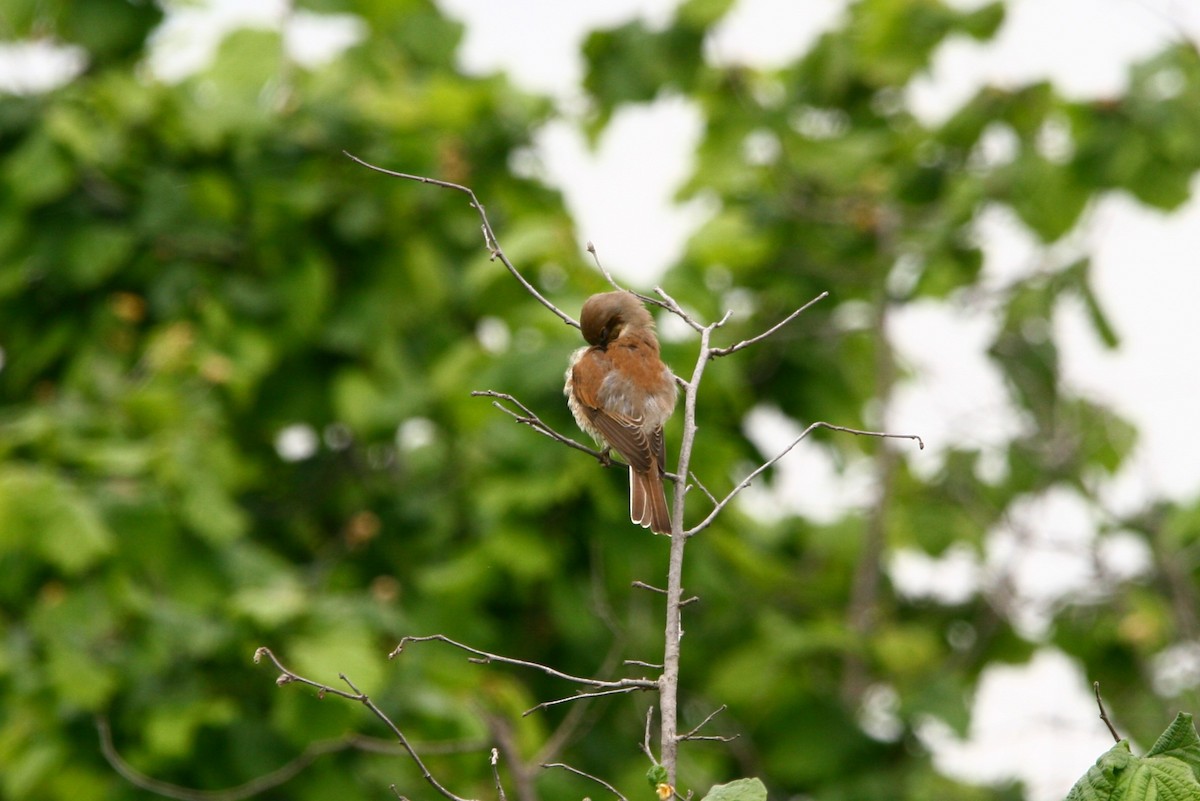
point(621, 393)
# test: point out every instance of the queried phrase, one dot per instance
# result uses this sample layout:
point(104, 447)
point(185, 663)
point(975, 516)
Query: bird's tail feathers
point(648, 501)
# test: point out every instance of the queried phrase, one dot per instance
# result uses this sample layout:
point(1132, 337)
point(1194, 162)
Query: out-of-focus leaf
point(36, 172)
point(739, 790)
point(42, 513)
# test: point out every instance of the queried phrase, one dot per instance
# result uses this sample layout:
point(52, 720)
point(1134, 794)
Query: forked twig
point(288, 677)
point(483, 657)
point(745, 343)
point(583, 696)
point(692, 735)
point(527, 417)
point(749, 479)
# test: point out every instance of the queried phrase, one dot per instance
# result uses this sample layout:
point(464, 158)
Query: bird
point(620, 392)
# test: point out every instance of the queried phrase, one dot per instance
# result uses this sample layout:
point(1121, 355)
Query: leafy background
point(189, 270)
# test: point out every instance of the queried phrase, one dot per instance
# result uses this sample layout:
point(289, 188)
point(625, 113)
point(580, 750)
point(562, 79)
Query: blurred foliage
point(195, 281)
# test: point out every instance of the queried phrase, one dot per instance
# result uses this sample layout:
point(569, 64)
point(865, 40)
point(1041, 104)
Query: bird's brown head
point(607, 315)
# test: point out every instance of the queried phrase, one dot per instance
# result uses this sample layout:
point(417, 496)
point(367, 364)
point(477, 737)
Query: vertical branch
point(669, 681)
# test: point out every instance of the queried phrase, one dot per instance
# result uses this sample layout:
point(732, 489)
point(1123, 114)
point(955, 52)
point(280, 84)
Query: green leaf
point(739, 790)
point(656, 775)
point(1180, 741)
point(1170, 771)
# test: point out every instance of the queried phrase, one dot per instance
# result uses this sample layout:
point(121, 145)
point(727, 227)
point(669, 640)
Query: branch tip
point(1103, 714)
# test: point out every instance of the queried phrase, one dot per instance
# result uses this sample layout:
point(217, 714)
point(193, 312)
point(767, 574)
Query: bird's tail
point(648, 501)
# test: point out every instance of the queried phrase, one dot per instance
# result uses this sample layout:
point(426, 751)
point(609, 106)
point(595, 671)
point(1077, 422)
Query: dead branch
point(596, 779)
point(749, 479)
point(288, 677)
point(745, 343)
point(527, 417)
point(583, 696)
point(489, 236)
point(483, 657)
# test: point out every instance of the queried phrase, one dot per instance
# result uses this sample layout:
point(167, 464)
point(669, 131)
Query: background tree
point(234, 408)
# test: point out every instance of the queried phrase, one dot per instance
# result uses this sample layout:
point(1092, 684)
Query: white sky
point(1144, 268)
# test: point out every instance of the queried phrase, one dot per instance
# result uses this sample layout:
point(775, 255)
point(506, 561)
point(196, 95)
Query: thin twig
point(607, 275)
point(714, 738)
point(496, 773)
point(596, 779)
point(483, 657)
point(880, 434)
point(748, 480)
point(288, 677)
point(698, 483)
point(489, 236)
point(745, 343)
point(691, 735)
point(640, 663)
point(641, 585)
point(527, 417)
point(583, 696)
point(672, 306)
point(1104, 715)
point(649, 752)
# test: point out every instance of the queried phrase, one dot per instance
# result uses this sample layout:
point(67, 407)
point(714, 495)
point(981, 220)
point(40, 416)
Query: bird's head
point(608, 315)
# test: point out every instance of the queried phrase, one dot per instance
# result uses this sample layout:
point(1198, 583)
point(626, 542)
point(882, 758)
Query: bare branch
point(748, 480)
point(527, 417)
point(698, 483)
point(745, 343)
point(670, 305)
point(692, 735)
point(583, 696)
point(489, 236)
point(288, 677)
point(607, 275)
point(649, 752)
point(641, 585)
point(640, 663)
point(596, 779)
point(880, 434)
point(483, 657)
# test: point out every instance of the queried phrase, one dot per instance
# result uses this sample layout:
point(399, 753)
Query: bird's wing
point(623, 434)
point(624, 437)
